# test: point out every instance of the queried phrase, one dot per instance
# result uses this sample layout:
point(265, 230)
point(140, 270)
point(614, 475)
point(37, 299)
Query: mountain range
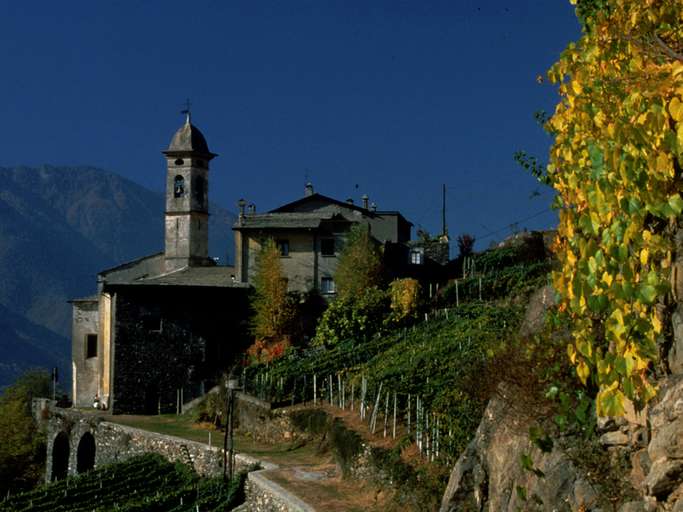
point(60, 226)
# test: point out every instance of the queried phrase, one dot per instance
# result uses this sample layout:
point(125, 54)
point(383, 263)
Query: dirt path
point(303, 470)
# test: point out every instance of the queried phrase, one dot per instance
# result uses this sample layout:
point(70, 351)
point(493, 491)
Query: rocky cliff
point(634, 463)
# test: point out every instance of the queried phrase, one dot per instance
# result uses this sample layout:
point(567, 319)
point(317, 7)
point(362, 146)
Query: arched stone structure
point(85, 456)
point(60, 456)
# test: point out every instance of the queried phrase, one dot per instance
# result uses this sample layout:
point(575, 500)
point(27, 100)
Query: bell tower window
point(178, 186)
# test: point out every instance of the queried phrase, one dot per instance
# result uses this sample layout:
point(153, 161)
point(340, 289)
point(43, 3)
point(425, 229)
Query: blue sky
point(388, 98)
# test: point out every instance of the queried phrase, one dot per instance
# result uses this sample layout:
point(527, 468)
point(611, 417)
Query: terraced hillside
point(146, 483)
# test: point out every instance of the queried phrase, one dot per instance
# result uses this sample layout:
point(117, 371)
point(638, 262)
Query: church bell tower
point(187, 199)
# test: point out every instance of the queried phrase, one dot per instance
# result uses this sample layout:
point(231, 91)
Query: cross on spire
point(187, 110)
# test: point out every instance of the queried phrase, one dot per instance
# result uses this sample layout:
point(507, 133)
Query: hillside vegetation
point(447, 359)
point(146, 483)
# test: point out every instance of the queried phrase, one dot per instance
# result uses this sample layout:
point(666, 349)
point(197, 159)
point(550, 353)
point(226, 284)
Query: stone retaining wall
point(264, 422)
point(115, 443)
point(264, 495)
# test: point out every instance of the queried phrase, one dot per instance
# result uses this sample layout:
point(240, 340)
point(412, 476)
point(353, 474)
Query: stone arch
point(85, 455)
point(60, 456)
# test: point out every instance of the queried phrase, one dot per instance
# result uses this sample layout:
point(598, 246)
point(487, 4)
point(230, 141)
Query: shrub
point(353, 317)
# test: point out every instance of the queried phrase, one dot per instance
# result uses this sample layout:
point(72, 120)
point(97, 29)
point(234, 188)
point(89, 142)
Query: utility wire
point(507, 227)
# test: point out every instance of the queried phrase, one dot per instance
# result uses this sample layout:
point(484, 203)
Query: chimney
point(373, 207)
point(349, 200)
point(251, 208)
point(308, 189)
point(241, 204)
point(365, 199)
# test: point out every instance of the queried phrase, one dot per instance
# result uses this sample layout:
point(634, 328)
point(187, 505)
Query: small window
point(179, 186)
point(416, 257)
point(283, 247)
point(327, 246)
point(327, 285)
point(90, 346)
point(179, 161)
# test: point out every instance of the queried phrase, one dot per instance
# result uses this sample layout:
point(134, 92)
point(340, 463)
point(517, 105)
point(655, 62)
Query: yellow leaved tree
point(616, 166)
point(274, 311)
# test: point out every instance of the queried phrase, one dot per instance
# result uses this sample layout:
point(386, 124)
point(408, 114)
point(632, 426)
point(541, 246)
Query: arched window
point(60, 457)
point(85, 456)
point(179, 186)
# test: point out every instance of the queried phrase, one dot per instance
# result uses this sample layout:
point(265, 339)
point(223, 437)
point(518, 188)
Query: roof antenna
point(187, 111)
point(444, 228)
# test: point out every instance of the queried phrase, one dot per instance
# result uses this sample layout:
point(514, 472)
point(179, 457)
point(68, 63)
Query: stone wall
point(173, 337)
point(115, 443)
point(264, 495)
point(263, 422)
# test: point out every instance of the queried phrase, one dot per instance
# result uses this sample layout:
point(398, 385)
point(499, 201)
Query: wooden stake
point(386, 414)
point(330, 386)
point(352, 390)
point(409, 413)
point(393, 431)
point(373, 420)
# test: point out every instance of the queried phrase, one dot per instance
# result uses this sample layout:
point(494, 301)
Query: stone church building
point(165, 325)
point(162, 328)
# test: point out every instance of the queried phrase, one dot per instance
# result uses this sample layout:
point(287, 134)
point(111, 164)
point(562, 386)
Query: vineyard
point(146, 483)
point(424, 377)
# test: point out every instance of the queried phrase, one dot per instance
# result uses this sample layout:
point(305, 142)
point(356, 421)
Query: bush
point(353, 317)
point(405, 295)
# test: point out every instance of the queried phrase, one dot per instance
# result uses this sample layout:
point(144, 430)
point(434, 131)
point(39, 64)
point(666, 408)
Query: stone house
point(161, 327)
point(310, 234)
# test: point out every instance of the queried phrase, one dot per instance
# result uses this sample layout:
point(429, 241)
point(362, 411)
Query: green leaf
point(676, 203)
point(610, 402)
point(647, 293)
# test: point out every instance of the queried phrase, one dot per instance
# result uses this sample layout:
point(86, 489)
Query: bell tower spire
point(187, 199)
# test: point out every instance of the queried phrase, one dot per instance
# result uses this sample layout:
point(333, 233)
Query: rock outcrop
point(663, 483)
point(489, 475)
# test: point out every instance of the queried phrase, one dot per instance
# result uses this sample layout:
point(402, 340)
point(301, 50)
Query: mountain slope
point(59, 226)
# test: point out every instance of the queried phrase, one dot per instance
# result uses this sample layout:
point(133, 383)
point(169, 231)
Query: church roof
point(188, 138)
point(217, 277)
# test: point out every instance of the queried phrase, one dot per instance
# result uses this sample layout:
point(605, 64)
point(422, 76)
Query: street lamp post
point(232, 385)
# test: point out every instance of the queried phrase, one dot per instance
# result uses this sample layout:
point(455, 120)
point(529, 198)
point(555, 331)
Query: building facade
point(162, 327)
point(310, 234)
